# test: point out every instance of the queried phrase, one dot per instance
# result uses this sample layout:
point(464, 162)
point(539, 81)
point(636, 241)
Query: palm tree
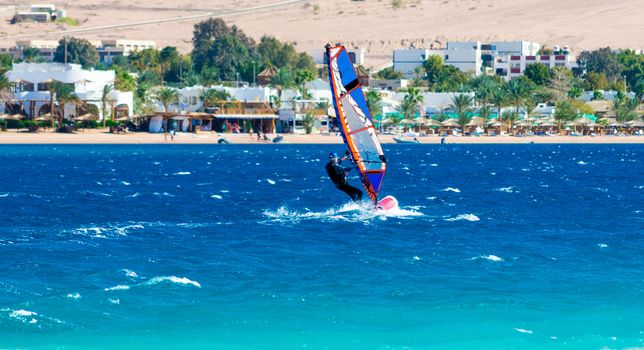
point(483, 87)
point(518, 90)
point(5, 88)
point(625, 108)
point(30, 54)
point(499, 98)
point(61, 93)
point(462, 105)
point(485, 111)
point(509, 118)
point(302, 76)
point(415, 96)
point(107, 90)
point(407, 107)
point(211, 96)
point(374, 103)
point(167, 97)
point(308, 122)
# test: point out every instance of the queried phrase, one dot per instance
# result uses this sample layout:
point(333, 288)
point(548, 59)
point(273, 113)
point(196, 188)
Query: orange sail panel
point(354, 119)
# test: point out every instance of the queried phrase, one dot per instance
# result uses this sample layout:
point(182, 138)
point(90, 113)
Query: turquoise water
point(251, 247)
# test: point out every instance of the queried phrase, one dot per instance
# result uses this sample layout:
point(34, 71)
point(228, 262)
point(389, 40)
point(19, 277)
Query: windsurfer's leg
point(354, 193)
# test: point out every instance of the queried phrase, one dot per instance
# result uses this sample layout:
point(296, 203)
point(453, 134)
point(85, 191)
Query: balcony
point(515, 58)
point(530, 58)
point(515, 70)
point(544, 58)
point(560, 57)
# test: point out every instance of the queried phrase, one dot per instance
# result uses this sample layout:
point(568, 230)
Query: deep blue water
point(251, 247)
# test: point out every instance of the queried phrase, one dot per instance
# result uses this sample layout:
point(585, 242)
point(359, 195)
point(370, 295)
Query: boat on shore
point(399, 139)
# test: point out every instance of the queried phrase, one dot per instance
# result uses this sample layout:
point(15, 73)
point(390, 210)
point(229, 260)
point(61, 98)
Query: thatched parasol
point(450, 123)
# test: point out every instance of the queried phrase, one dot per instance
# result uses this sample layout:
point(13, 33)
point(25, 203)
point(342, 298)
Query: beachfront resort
point(516, 88)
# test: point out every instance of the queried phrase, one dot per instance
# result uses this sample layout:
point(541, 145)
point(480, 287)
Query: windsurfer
point(338, 174)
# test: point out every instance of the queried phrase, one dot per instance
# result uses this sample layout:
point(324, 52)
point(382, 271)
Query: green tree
point(167, 57)
point(31, 54)
point(561, 82)
point(415, 95)
point(62, 94)
point(303, 76)
point(462, 105)
point(407, 108)
point(167, 97)
point(5, 88)
point(105, 99)
point(123, 81)
point(597, 95)
point(6, 62)
point(79, 51)
point(518, 89)
point(538, 73)
point(308, 122)
point(483, 87)
point(625, 108)
point(485, 111)
point(633, 68)
point(374, 103)
point(499, 98)
point(595, 81)
point(509, 118)
point(211, 96)
point(388, 73)
point(603, 60)
point(564, 112)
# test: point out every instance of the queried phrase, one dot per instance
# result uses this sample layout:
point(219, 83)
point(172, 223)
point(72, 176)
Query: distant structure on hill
point(468, 56)
point(39, 13)
point(107, 49)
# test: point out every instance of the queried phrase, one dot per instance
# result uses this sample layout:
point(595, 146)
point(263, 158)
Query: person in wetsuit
point(338, 174)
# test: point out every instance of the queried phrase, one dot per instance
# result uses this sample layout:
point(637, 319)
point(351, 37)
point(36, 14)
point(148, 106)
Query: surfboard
point(387, 203)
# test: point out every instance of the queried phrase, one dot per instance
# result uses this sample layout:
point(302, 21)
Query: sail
point(356, 125)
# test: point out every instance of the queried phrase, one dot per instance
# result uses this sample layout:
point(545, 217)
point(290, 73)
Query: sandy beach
point(101, 136)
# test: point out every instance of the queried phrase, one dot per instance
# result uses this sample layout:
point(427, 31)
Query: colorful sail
point(356, 124)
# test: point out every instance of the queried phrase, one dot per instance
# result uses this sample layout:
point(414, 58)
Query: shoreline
point(100, 136)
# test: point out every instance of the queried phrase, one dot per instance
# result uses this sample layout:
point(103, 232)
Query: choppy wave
point(451, 189)
point(510, 189)
point(521, 330)
point(173, 279)
point(216, 196)
point(74, 295)
point(468, 217)
point(104, 232)
point(182, 173)
point(488, 257)
point(117, 287)
point(352, 212)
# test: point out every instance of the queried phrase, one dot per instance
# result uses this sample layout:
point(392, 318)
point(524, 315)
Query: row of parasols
point(526, 123)
point(48, 117)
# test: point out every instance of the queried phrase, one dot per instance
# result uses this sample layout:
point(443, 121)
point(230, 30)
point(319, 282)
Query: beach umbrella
point(636, 123)
point(450, 123)
point(616, 125)
point(581, 121)
point(476, 122)
point(17, 116)
point(122, 119)
point(432, 122)
point(496, 124)
point(406, 121)
point(5, 116)
point(385, 121)
point(492, 121)
point(43, 117)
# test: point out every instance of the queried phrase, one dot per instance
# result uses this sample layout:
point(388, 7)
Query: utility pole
point(65, 40)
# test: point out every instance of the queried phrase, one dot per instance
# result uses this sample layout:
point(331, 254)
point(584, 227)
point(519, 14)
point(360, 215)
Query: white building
point(32, 83)
point(512, 66)
point(467, 56)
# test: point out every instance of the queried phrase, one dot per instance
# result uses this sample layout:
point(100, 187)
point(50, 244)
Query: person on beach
point(338, 175)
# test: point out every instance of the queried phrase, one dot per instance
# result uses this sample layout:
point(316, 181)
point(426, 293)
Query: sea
point(527, 246)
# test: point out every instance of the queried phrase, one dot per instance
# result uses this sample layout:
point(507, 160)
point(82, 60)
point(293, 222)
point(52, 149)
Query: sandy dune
point(374, 25)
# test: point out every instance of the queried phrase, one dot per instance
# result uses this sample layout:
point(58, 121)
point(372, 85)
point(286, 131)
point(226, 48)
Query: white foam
point(602, 245)
point(74, 296)
point(22, 313)
point(115, 301)
point(468, 217)
point(352, 212)
point(3, 195)
point(125, 183)
point(488, 257)
point(509, 189)
point(451, 189)
point(134, 195)
point(130, 273)
point(182, 173)
point(416, 258)
point(521, 330)
point(581, 162)
point(270, 181)
point(216, 196)
point(173, 279)
point(433, 164)
point(117, 287)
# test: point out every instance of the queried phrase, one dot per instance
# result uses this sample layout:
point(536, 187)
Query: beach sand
point(372, 25)
point(101, 136)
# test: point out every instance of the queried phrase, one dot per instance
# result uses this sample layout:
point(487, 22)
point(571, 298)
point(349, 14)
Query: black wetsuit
point(338, 174)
